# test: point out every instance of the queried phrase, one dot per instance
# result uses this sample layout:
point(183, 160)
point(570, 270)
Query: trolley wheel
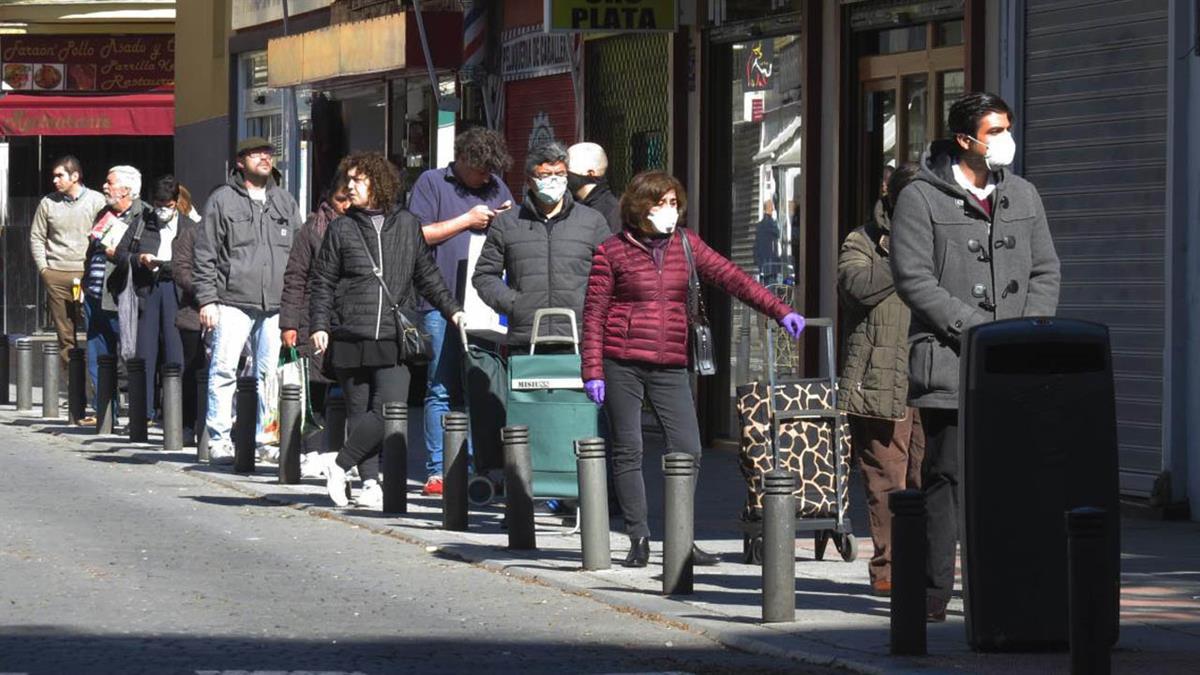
point(820, 539)
point(847, 545)
point(755, 556)
point(481, 491)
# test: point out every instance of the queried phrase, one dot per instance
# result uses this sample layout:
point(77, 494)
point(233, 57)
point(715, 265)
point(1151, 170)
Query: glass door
point(908, 77)
point(764, 198)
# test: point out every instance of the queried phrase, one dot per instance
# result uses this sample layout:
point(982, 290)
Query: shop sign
point(249, 13)
point(759, 65)
point(87, 63)
point(611, 15)
point(528, 53)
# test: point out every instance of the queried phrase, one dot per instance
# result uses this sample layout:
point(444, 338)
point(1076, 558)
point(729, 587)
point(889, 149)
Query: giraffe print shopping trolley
point(800, 430)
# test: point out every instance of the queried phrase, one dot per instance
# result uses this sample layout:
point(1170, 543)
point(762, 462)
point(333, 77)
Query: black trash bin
point(1039, 437)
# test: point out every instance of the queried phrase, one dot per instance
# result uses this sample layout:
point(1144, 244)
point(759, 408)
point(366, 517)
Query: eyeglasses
point(550, 175)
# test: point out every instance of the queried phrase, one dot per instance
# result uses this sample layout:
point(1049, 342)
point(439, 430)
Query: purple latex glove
point(794, 325)
point(595, 391)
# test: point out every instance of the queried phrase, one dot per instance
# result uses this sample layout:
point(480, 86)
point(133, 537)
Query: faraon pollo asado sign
point(610, 15)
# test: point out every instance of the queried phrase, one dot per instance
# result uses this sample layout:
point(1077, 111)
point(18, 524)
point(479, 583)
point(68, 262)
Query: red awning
point(118, 115)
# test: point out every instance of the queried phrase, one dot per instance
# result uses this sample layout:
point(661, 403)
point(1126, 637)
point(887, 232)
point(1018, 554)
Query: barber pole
point(474, 40)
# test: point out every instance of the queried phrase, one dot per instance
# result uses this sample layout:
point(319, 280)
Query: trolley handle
point(563, 312)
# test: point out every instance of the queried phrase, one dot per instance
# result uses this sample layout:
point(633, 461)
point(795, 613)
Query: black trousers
point(939, 481)
point(366, 389)
point(669, 390)
point(194, 360)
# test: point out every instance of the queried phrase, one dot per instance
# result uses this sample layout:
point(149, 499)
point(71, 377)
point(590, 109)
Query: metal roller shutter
point(1095, 133)
point(627, 95)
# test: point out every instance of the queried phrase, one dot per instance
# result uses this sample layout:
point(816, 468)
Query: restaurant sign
point(87, 63)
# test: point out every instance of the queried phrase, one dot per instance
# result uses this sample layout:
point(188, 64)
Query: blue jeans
point(103, 331)
point(234, 328)
point(444, 391)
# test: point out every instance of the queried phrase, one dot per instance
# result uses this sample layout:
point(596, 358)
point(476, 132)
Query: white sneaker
point(371, 495)
point(220, 453)
point(335, 482)
point(311, 465)
point(268, 453)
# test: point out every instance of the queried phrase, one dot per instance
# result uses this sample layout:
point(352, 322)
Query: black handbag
point(703, 349)
point(415, 345)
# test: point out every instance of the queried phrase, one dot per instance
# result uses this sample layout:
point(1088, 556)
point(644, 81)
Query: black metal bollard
point(518, 489)
point(779, 547)
point(76, 384)
point(289, 434)
point(335, 423)
point(679, 469)
point(593, 503)
point(908, 572)
point(454, 474)
point(24, 374)
point(106, 393)
point(202, 415)
point(395, 457)
point(172, 407)
point(135, 371)
point(1087, 587)
point(4, 377)
point(50, 359)
point(245, 425)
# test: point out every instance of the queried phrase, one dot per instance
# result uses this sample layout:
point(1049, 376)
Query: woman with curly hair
point(635, 336)
point(350, 314)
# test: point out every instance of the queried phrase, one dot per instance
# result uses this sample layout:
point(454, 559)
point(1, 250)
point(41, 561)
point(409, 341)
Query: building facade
point(89, 79)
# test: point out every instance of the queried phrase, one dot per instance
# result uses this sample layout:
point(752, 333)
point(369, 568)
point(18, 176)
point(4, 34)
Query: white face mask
point(1000, 152)
point(164, 214)
point(664, 219)
point(550, 190)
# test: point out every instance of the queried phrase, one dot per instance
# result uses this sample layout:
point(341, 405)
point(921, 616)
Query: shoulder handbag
point(703, 349)
point(415, 345)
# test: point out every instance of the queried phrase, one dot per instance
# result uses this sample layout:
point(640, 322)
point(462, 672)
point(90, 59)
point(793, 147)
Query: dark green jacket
point(874, 381)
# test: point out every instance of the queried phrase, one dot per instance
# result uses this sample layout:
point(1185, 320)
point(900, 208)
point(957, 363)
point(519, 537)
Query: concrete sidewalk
point(838, 622)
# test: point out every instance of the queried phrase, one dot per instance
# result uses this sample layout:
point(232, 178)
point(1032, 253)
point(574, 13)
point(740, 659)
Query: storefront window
point(767, 238)
point(262, 109)
point(741, 10)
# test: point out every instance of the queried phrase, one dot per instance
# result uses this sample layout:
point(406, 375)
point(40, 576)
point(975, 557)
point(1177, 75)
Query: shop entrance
point(907, 79)
point(754, 202)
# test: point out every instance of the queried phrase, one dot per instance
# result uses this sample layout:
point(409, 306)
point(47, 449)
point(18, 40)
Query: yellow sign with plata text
point(618, 16)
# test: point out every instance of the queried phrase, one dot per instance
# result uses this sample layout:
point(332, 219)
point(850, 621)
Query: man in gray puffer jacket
point(241, 252)
point(545, 249)
point(970, 244)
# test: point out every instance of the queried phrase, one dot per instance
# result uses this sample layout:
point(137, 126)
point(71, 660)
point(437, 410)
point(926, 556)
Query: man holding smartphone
point(454, 204)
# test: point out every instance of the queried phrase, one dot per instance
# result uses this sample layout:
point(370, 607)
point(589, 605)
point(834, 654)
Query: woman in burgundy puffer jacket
point(635, 336)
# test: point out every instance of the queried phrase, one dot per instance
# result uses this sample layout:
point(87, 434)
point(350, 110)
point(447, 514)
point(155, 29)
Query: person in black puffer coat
point(350, 315)
point(540, 256)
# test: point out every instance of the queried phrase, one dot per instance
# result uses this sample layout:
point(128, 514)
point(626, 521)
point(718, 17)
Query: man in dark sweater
point(586, 166)
point(969, 244)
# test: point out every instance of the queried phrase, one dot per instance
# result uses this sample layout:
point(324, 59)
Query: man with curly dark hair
point(453, 205)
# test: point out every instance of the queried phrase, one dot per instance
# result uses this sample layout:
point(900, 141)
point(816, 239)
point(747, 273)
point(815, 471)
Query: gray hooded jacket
point(242, 246)
point(1013, 273)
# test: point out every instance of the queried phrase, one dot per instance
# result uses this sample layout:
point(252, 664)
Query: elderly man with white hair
point(586, 167)
point(123, 212)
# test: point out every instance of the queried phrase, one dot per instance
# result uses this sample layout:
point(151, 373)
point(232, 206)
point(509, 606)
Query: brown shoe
point(935, 610)
point(881, 588)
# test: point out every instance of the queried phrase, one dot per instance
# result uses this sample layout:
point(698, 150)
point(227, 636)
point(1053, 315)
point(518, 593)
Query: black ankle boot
point(639, 552)
point(703, 558)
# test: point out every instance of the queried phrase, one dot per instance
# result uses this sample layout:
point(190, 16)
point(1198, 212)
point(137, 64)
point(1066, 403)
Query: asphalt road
point(109, 565)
